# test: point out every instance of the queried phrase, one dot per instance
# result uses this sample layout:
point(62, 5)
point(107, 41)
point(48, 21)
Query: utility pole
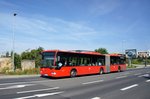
point(13, 42)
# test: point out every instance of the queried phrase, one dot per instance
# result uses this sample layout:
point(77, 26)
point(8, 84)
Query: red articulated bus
point(57, 63)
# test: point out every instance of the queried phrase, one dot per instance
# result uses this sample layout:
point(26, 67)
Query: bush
point(140, 61)
point(4, 70)
point(21, 72)
point(132, 66)
point(31, 71)
point(136, 61)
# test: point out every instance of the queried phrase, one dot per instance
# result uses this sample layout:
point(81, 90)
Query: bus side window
point(112, 62)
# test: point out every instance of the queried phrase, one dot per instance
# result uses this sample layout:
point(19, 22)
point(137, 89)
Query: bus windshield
point(48, 59)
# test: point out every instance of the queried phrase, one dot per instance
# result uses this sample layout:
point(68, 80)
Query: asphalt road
point(130, 84)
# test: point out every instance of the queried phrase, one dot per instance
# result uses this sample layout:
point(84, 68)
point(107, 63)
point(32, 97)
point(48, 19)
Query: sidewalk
point(2, 76)
point(140, 66)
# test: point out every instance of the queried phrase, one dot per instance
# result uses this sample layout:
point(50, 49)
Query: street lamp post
point(123, 46)
point(13, 42)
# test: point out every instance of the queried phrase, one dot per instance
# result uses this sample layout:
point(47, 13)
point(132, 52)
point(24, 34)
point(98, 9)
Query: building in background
point(143, 53)
point(5, 63)
point(27, 64)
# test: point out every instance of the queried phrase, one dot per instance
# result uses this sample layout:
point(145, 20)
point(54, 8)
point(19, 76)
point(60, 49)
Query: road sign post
point(145, 61)
point(131, 53)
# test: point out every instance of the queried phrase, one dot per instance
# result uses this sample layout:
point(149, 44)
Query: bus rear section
point(117, 62)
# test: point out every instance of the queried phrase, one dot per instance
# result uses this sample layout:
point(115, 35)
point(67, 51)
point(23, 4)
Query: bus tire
point(73, 73)
point(101, 71)
point(119, 69)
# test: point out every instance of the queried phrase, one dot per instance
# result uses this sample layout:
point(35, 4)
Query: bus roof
point(84, 52)
point(75, 51)
point(116, 54)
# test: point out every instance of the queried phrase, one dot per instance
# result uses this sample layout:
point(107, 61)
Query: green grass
point(131, 66)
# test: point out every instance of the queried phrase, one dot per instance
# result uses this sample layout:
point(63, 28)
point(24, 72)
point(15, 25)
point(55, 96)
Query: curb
point(138, 68)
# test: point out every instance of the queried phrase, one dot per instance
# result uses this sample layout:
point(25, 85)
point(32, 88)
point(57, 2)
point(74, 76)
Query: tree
point(17, 61)
point(101, 50)
point(40, 49)
point(33, 55)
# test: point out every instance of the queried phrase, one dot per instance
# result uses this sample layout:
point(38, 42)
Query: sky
point(75, 25)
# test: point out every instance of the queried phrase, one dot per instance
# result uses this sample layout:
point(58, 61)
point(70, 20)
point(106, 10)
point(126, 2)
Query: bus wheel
point(101, 71)
point(119, 69)
point(73, 73)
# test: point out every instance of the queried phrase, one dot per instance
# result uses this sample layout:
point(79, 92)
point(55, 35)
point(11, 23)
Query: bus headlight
point(53, 73)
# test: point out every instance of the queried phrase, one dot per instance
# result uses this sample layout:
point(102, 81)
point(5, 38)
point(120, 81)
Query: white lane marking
point(123, 89)
point(145, 75)
point(37, 90)
point(16, 86)
point(147, 80)
point(24, 82)
point(121, 77)
point(93, 82)
point(25, 97)
point(96, 98)
point(48, 94)
point(40, 95)
point(137, 74)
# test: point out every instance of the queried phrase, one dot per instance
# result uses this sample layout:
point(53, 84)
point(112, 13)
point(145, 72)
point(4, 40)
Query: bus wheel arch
point(41, 75)
point(119, 68)
point(73, 72)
